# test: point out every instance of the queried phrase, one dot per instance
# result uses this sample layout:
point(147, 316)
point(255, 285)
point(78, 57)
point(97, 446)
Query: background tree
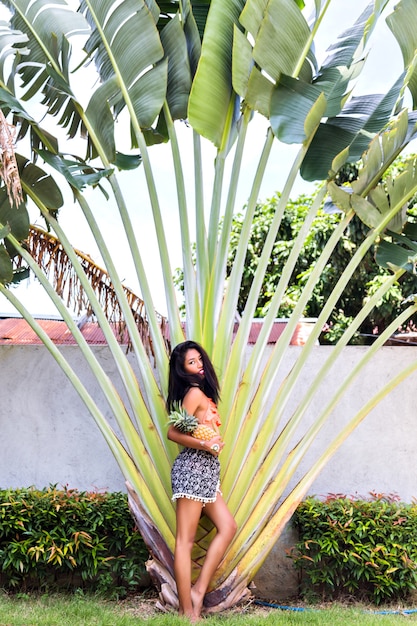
point(155, 66)
point(365, 281)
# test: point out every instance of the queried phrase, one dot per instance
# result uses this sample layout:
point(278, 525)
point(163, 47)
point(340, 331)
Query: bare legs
point(188, 516)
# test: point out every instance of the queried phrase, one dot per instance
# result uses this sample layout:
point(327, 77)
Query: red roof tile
point(16, 331)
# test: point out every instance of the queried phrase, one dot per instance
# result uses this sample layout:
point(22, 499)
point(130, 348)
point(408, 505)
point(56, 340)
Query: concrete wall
point(49, 437)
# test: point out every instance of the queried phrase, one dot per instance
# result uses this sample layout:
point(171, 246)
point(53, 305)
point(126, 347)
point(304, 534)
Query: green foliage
point(52, 538)
point(366, 279)
point(366, 548)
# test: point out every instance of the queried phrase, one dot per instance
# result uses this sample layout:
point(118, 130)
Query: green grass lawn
point(73, 610)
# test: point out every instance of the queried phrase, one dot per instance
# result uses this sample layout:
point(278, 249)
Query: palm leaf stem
point(123, 458)
point(176, 332)
point(284, 438)
point(223, 245)
point(216, 289)
point(294, 458)
point(137, 450)
point(272, 368)
point(331, 301)
point(190, 292)
point(244, 327)
point(157, 338)
point(150, 384)
point(271, 452)
point(201, 252)
point(281, 398)
point(245, 397)
point(250, 400)
point(328, 306)
point(260, 500)
point(309, 42)
point(337, 351)
point(231, 364)
point(227, 317)
point(153, 442)
point(213, 227)
point(256, 554)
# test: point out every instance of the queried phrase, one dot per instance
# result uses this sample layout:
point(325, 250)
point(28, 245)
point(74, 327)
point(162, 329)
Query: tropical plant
point(365, 280)
point(157, 65)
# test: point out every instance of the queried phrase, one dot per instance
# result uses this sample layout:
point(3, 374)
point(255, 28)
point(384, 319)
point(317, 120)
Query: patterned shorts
point(195, 475)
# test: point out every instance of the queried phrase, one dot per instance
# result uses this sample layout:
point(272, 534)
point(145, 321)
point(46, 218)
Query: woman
point(195, 473)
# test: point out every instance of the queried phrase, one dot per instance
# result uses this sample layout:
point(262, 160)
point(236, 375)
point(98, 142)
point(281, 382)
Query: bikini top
point(212, 416)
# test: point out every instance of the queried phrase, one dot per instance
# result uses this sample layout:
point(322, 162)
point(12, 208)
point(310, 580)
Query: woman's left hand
point(215, 445)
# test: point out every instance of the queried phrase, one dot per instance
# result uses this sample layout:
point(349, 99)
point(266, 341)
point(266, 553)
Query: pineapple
point(204, 433)
point(186, 423)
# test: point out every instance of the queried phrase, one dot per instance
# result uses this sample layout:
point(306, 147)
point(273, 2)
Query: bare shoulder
point(194, 400)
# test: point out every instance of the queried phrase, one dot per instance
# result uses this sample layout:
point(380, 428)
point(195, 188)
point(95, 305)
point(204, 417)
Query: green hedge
point(55, 538)
point(364, 548)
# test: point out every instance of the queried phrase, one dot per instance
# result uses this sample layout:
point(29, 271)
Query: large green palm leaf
point(154, 71)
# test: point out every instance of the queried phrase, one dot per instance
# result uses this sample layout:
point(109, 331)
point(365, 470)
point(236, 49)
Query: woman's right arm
point(191, 442)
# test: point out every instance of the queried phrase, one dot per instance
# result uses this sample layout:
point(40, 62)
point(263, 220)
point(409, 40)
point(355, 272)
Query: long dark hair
point(179, 381)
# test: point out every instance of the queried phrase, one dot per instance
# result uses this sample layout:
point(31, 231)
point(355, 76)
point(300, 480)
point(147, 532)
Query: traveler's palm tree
point(213, 64)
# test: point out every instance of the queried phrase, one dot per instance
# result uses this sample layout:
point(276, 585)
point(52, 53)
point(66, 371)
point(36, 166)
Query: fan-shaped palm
point(153, 69)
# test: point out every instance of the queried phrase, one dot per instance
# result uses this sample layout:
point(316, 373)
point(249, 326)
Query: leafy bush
point(367, 548)
point(65, 538)
point(365, 280)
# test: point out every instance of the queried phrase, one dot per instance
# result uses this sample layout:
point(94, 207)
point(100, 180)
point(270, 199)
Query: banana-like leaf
point(100, 114)
point(120, 34)
point(41, 184)
point(343, 57)
point(248, 81)
point(288, 123)
point(17, 219)
point(401, 22)
point(79, 174)
point(24, 121)
point(137, 72)
point(282, 40)
point(289, 96)
point(383, 150)
point(8, 39)
point(402, 254)
point(399, 250)
point(212, 98)
point(353, 129)
point(6, 268)
point(179, 73)
point(190, 15)
point(277, 21)
point(391, 195)
point(47, 26)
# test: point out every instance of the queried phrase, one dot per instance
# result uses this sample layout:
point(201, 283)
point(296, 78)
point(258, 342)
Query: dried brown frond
point(51, 257)
point(9, 171)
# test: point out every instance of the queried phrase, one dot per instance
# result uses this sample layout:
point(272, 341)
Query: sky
point(384, 54)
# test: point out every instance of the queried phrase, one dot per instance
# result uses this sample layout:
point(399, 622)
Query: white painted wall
point(48, 436)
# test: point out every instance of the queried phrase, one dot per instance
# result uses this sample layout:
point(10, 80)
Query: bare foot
point(197, 600)
point(192, 617)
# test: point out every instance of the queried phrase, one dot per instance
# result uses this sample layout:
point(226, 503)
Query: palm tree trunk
point(160, 567)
